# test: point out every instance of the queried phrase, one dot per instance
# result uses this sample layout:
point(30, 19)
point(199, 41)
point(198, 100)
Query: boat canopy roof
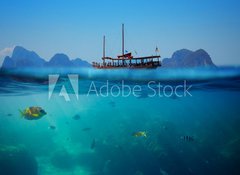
point(132, 58)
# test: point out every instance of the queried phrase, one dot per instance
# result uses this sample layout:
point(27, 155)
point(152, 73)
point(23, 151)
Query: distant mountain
point(22, 57)
point(79, 62)
point(187, 58)
point(59, 60)
point(62, 60)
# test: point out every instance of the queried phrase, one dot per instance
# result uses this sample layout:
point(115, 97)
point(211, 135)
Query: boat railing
point(123, 64)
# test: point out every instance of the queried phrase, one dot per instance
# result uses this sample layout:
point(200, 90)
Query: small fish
point(187, 138)
point(93, 144)
point(33, 113)
point(76, 117)
point(140, 134)
point(86, 129)
point(52, 127)
point(9, 115)
point(112, 103)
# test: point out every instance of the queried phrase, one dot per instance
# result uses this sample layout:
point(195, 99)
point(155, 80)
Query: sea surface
point(93, 117)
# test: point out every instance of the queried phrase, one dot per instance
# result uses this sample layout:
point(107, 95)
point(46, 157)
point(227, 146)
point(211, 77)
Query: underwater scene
point(90, 122)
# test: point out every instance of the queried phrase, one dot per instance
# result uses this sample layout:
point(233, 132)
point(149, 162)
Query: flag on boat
point(156, 50)
point(126, 51)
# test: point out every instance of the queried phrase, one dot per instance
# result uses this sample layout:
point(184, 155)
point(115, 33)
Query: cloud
point(5, 52)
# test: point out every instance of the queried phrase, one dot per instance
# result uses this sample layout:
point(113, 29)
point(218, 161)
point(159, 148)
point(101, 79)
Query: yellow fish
point(33, 113)
point(140, 134)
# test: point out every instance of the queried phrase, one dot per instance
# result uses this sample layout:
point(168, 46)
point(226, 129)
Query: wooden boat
point(126, 60)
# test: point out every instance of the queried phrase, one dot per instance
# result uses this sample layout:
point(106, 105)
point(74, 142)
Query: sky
point(76, 27)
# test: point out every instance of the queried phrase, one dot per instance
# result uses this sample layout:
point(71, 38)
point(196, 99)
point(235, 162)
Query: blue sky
point(76, 27)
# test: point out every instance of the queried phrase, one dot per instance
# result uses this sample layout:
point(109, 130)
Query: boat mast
point(122, 39)
point(104, 46)
point(103, 58)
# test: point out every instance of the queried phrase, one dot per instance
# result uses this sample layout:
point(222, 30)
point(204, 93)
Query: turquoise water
point(100, 139)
